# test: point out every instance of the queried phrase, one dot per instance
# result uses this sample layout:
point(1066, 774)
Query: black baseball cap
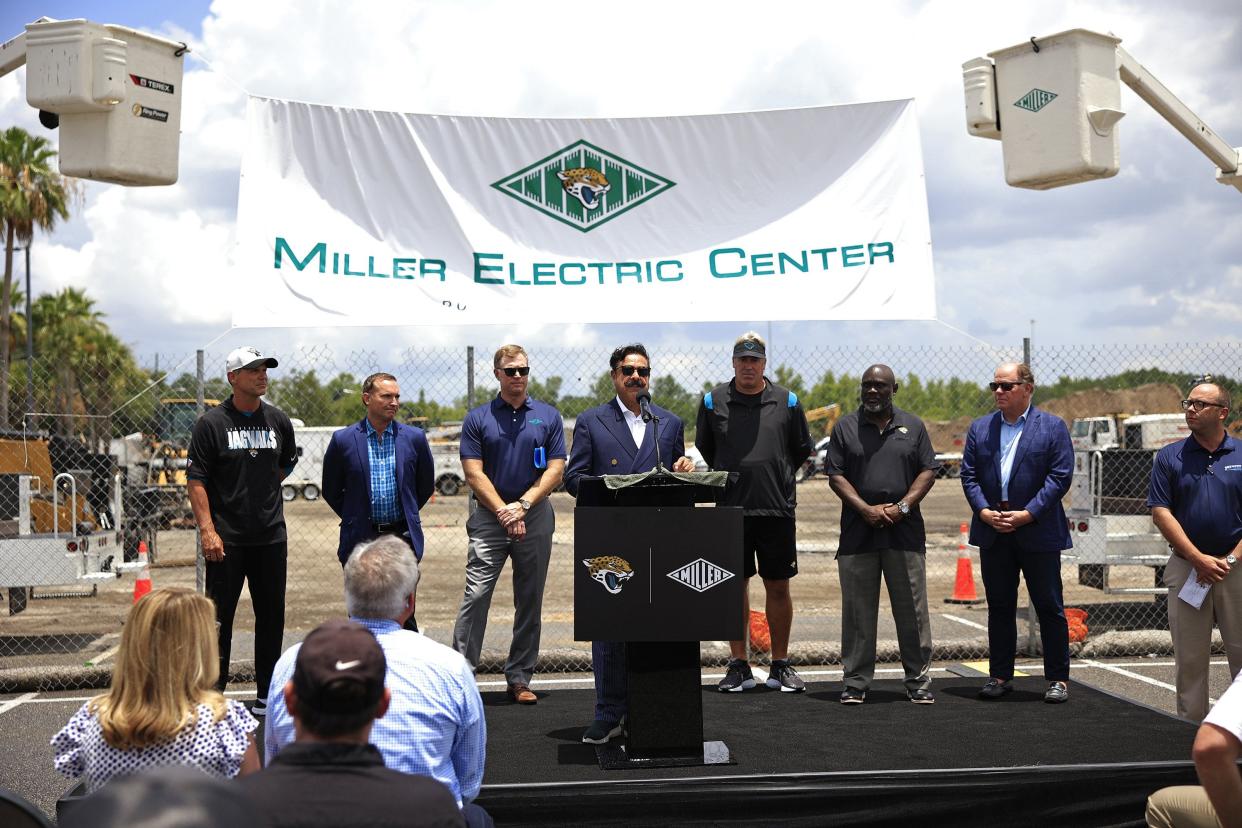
point(340, 668)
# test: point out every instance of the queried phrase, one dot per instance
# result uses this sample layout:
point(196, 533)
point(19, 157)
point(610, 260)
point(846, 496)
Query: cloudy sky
point(1153, 255)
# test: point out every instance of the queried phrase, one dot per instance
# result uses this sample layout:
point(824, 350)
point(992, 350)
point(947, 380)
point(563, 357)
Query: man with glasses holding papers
point(1196, 503)
point(1016, 466)
point(513, 455)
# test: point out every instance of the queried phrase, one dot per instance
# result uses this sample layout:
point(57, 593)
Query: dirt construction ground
point(67, 631)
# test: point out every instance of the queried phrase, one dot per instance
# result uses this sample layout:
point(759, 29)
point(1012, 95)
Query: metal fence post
point(1032, 620)
point(200, 565)
point(471, 503)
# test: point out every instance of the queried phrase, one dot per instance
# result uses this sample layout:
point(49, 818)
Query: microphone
point(644, 406)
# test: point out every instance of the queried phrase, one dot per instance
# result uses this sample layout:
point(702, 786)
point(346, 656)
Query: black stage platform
point(809, 760)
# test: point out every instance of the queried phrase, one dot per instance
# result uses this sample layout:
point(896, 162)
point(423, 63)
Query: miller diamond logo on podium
point(583, 186)
point(700, 575)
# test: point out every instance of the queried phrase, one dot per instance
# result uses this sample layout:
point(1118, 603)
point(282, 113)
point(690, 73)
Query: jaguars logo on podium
point(611, 572)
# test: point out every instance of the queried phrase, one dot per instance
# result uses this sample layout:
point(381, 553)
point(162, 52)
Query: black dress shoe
point(995, 688)
point(1057, 693)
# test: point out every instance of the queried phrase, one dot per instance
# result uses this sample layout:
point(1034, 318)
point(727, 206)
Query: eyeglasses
point(1199, 405)
point(1004, 386)
point(520, 371)
point(629, 371)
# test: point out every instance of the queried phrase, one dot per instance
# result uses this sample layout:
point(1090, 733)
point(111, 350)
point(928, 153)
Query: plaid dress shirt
point(382, 452)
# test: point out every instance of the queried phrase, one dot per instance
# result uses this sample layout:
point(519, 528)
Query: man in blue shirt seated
point(513, 455)
point(331, 775)
point(434, 725)
point(1196, 503)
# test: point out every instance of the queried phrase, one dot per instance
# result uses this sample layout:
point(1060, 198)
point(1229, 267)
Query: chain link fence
point(93, 469)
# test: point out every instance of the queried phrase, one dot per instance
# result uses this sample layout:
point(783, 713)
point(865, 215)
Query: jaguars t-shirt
point(241, 459)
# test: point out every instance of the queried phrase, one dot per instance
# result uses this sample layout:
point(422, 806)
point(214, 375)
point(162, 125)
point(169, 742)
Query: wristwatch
point(525, 504)
point(903, 507)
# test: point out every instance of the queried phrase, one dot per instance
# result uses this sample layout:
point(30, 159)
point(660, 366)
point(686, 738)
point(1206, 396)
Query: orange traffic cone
point(964, 585)
point(760, 635)
point(142, 584)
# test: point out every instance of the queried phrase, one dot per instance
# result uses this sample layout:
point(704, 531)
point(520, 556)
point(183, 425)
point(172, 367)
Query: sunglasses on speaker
point(1004, 386)
point(520, 371)
point(629, 370)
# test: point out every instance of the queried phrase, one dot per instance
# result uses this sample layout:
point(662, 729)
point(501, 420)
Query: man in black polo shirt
point(881, 464)
point(1196, 503)
point(754, 427)
point(240, 452)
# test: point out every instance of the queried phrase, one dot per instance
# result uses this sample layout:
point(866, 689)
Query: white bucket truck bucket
point(118, 94)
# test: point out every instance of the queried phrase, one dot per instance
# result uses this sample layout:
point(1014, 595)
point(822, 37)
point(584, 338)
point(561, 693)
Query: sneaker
point(785, 678)
point(259, 708)
point(852, 695)
point(737, 677)
point(923, 696)
point(600, 732)
point(1057, 693)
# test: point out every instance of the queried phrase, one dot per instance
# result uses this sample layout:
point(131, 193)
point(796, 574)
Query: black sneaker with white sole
point(785, 678)
point(852, 695)
point(259, 708)
point(738, 677)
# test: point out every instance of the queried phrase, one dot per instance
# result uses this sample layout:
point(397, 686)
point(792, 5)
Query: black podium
point(660, 573)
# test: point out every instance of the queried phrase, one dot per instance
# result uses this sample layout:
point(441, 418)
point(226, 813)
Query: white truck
point(69, 551)
point(1108, 515)
point(1128, 431)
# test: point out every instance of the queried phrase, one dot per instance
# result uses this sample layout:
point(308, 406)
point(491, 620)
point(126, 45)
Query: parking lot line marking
point(1112, 668)
point(966, 621)
point(104, 656)
point(11, 703)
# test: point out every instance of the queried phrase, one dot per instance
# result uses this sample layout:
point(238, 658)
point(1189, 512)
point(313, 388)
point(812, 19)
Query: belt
point(1003, 506)
point(396, 527)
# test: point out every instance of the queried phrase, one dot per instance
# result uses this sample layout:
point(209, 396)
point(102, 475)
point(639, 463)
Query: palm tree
point(69, 332)
point(32, 194)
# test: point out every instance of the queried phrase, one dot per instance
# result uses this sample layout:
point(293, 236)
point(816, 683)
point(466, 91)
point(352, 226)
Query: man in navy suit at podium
point(618, 438)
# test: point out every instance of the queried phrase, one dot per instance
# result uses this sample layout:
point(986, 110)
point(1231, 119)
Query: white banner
point(355, 217)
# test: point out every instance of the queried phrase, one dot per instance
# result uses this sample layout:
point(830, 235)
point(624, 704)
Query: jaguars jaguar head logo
point(585, 184)
point(612, 572)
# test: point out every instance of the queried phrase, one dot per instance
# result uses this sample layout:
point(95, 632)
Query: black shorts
point(773, 540)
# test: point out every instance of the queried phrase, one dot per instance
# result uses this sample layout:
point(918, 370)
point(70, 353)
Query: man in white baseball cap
point(240, 452)
point(247, 357)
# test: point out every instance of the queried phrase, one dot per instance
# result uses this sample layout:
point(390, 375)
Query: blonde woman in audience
point(162, 708)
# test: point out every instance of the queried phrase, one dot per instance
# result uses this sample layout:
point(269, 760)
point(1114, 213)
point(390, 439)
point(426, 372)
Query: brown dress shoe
point(522, 694)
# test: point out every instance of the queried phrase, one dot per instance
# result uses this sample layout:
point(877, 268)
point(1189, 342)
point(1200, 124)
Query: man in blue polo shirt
point(513, 455)
point(1196, 503)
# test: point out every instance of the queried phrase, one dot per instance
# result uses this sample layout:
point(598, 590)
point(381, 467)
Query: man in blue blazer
point(378, 473)
point(1017, 465)
point(613, 439)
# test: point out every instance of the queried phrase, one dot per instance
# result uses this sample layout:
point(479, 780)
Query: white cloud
point(1162, 237)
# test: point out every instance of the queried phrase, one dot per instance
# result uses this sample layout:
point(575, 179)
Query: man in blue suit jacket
point(378, 473)
point(613, 439)
point(1017, 465)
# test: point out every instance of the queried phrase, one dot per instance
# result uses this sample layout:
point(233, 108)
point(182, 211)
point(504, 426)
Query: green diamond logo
point(583, 186)
point(1035, 100)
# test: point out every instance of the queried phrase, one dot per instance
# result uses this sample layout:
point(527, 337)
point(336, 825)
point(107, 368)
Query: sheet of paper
point(1194, 591)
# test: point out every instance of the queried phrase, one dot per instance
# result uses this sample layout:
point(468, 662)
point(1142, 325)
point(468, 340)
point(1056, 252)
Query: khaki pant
point(1181, 806)
point(1192, 634)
